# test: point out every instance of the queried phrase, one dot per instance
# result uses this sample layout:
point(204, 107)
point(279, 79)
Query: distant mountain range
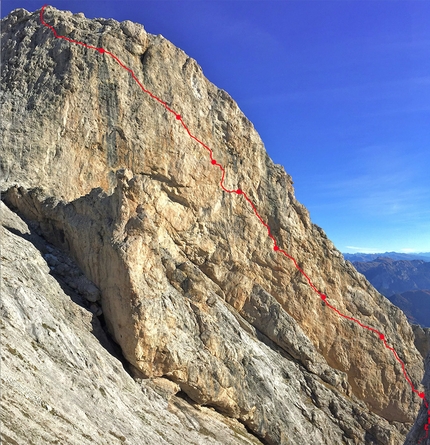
point(415, 304)
point(425, 256)
point(391, 277)
point(405, 283)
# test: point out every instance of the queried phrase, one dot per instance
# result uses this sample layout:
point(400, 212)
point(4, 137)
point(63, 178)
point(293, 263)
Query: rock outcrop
point(61, 382)
point(184, 273)
point(422, 339)
point(415, 436)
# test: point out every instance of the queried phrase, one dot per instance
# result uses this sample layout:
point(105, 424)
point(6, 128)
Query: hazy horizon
point(386, 251)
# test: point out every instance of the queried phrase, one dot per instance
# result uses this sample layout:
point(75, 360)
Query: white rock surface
point(61, 386)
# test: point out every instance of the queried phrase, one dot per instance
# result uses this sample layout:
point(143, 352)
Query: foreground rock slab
point(60, 385)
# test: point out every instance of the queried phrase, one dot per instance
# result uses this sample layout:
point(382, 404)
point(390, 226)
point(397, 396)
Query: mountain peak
point(97, 153)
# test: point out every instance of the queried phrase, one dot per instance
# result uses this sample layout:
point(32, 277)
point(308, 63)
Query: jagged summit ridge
point(190, 288)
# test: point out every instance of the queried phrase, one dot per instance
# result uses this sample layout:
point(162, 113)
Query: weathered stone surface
point(185, 331)
point(417, 434)
point(422, 339)
point(190, 286)
point(60, 385)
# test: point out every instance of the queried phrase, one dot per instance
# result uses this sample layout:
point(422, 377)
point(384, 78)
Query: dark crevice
point(176, 198)
point(98, 323)
point(100, 331)
point(253, 433)
point(263, 338)
point(369, 439)
point(275, 347)
point(185, 397)
point(143, 57)
point(171, 182)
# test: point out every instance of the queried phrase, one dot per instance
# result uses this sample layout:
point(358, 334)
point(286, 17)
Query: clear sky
point(338, 90)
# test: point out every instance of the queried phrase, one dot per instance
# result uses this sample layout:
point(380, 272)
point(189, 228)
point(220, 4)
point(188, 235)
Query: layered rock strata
point(60, 380)
point(420, 433)
point(190, 286)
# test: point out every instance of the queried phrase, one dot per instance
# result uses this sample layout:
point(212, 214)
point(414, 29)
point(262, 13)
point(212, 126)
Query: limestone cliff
point(61, 381)
point(415, 436)
point(190, 286)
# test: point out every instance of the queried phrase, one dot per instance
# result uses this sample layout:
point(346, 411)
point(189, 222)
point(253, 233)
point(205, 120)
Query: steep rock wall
point(415, 436)
point(190, 285)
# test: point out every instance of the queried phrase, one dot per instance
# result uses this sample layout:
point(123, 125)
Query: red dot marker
point(239, 191)
point(276, 248)
point(213, 162)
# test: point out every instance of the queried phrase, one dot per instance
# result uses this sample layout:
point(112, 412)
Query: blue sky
point(338, 90)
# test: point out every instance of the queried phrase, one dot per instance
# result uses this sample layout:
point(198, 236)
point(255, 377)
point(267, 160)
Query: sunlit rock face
point(189, 284)
point(419, 433)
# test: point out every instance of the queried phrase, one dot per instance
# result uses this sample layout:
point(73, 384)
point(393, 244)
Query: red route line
point(254, 208)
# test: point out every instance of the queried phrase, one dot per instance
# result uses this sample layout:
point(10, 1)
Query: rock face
point(184, 273)
point(415, 436)
point(422, 339)
point(60, 385)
